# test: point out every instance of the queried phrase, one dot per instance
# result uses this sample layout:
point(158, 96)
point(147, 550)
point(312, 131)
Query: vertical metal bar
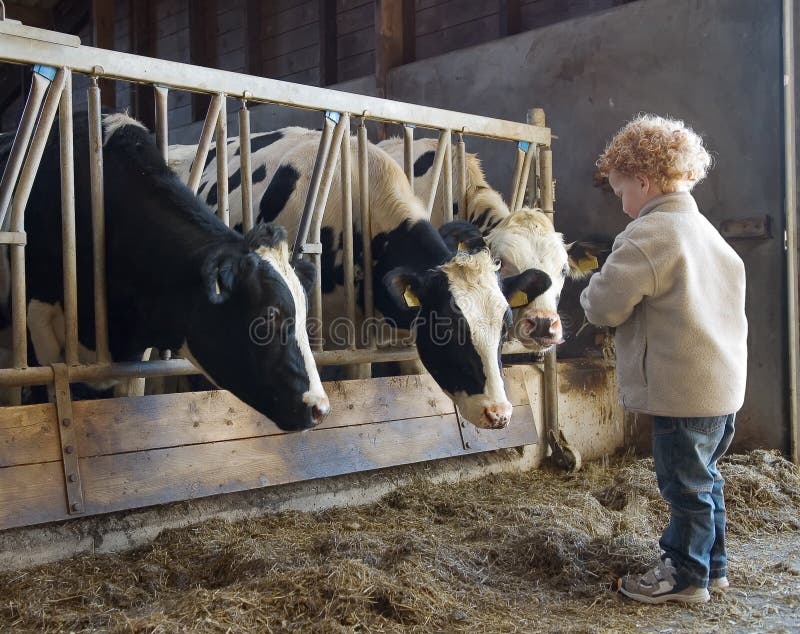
point(68, 239)
point(319, 212)
point(515, 178)
point(223, 208)
point(790, 200)
point(23, 191)
point(162, 120)
point(366, 226)
point(408, 153)
point(205, 142)
point(244, 167)
point(313, 188)
point(347, 234)
point(461, 177)
point(438, 161)
point(447, 199)
point(519, 198)
point(39, 85)
point(535, 116)
point(98, 223)
point(546, 167)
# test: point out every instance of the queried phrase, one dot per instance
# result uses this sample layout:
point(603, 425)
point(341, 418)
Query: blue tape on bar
point(410, 125)
point(48, 72)
point(333, 116)
point(523, 145)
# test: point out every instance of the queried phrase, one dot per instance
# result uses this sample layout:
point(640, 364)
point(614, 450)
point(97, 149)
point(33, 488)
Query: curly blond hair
point(665, 150)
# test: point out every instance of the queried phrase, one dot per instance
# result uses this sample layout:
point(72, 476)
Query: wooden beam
point(388, 40)
point(103, 37)
point(142, 38)
point(510, 17)
point(30, 16)
point(202, 46)
point(328, 48)
point(254, 51)
point(409, 31)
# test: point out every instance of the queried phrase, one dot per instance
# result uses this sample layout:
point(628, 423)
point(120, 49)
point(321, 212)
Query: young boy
point(674, 290)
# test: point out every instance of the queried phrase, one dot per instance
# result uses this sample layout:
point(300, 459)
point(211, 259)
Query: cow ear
point(471, 245)
point(306, 272)
point(218, 277)
point(404, 286)
point(521, 290)
point(264, 234)
point(587, 255)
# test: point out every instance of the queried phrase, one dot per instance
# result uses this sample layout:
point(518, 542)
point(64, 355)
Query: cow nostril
point(319, 412)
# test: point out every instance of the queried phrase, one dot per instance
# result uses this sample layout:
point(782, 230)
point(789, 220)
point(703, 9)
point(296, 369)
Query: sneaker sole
point(665, 598)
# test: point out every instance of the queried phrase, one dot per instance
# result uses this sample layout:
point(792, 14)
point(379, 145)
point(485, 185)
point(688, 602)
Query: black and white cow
point(177, 278)
point(457, 305)
point(524, 240)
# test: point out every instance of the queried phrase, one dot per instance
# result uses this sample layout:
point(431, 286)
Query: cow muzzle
point(318, 407)
point(496, 416)
point(541, 330)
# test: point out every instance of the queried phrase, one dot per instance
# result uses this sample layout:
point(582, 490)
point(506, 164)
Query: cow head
point(248, 333)
point(462, 321)
point(524, 241)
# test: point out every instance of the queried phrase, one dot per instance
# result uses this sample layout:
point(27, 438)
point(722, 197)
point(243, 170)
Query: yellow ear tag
point(462, 246)
point(518, 298)
point(412, 301)
point(588, 263)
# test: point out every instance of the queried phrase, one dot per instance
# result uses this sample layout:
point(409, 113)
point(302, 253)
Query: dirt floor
point(534, 552)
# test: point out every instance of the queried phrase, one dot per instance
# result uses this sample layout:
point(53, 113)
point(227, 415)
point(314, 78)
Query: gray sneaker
point(659, 585)
point(719, 583)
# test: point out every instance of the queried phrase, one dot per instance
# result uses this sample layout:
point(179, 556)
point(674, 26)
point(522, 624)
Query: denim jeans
point(686, 451)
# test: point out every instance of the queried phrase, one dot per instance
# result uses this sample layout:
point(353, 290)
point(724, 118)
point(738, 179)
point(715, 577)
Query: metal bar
point(313, 188)
point(210, 124)
point(408, 153)
point(366, 223)
point(519, 199)
point(436, 171)
point(162, 120)
point(546, 168)
point(68, 239)
point(20, 201)
point(347, 234)
point(447, 199)
point(13, 237)
point(244, 167)
point(790, 200)
point(117, 65)
point(223, 208)
point(39, 85)
point(319, 213)
point(68, 439)
point(98, 222)
point(516, 177)
point(461, 176)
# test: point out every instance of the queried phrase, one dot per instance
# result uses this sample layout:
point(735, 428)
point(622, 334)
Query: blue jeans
point(686, 451)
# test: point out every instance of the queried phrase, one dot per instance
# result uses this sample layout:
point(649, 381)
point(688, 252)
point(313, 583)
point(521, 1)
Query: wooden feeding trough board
point(142, 451)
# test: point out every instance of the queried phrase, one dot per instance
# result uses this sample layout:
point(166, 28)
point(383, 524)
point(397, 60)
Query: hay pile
point(524, 552)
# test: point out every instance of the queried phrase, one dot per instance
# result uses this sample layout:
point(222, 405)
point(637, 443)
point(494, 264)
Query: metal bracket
point(524, 146)
point(311, 247)
point(13, 237)
point(68, 438)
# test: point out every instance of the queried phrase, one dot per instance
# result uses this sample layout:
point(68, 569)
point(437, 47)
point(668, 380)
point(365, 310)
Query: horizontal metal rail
point(135, 68)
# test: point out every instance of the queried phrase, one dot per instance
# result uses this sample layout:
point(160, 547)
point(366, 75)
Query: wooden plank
point(202, 46)
point(308, 77)
point(142, 30)
point(355, 19)
point(254, 59)
point(343, 6)
point(357, 42)
point(409, 32)
point(510, 17)
point(28, 434)
point(286, 43)
point(301, 15)
point(303, 59)
point(457, 37)
point(328, 43)
point(451, 14)
point(32, 494)
point(231, 20)
point(357, 66)
point(388, 42)
point(30, 16)
point(276, 7)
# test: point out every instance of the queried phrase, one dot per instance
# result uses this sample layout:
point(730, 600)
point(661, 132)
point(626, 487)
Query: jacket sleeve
point(613, 292)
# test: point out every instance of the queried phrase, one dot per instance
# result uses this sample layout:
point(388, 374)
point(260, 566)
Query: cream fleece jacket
point(675, 291)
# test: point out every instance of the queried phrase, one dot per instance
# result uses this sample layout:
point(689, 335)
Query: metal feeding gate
point(64, 459)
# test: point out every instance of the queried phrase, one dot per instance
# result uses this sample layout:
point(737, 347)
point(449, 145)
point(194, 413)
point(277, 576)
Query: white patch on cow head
point(113, 122)
point(472, 280)
point(526, 240)
point(278, 258)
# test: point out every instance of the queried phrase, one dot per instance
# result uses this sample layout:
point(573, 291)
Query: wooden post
point(389, 46)
point(328, 49)
point(202, 46)
point(142, 25)
point(254, 51)
point(510, 17)
point(103, 37)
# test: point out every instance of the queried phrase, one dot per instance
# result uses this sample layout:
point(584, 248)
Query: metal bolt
point(463, 423)
point(466, 444)
point(75, 507)
point(66, 422)
point(72, 477)
point(69, 449)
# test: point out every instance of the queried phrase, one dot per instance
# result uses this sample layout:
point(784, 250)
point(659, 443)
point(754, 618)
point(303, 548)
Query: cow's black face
point(249, 335)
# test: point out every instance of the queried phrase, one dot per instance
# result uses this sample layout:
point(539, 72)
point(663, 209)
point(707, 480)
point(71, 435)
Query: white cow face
point(527, 240)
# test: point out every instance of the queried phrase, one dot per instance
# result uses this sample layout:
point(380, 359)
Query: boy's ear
point(520, 290)
point(404, 286)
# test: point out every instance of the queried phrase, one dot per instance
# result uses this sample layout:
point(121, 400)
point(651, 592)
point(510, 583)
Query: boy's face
point(634, 191)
